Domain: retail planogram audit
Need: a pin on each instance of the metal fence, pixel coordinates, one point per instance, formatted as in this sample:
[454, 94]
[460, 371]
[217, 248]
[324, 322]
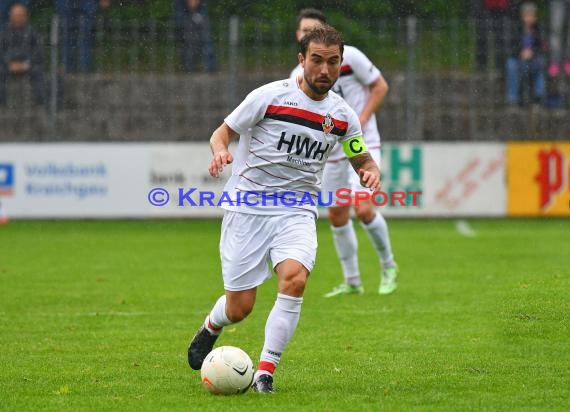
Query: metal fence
[137, 88]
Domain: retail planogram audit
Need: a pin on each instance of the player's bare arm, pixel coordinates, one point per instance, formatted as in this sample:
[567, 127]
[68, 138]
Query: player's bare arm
[362, 162]
[367, 169]
[219, 143]
[378, 91]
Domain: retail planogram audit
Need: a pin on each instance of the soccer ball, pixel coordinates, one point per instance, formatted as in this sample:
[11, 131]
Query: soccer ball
[227, 370]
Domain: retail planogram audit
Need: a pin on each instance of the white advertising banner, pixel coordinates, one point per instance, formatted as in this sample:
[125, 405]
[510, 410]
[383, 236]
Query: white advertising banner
[115, 180]
[74, 180]
[179, 183]
[455, 179]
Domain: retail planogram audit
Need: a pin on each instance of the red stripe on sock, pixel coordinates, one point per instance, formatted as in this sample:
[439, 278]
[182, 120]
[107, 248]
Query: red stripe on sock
[266, 366]
[210, 326]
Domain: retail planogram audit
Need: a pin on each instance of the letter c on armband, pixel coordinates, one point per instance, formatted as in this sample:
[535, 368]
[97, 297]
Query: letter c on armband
[354, 147]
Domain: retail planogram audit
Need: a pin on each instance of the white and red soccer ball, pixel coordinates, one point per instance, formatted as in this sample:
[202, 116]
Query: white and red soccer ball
[227, 370]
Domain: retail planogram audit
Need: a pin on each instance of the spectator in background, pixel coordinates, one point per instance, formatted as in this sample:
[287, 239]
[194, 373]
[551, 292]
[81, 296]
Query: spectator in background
[21, 54]
[5, 6]
[492, 18]
[77, 20]
[193, 24]
[559, 52]
[527, 60]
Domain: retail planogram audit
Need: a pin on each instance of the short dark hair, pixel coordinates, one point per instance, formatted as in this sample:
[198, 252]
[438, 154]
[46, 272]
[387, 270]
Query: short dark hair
[311, 14]
[325, 34]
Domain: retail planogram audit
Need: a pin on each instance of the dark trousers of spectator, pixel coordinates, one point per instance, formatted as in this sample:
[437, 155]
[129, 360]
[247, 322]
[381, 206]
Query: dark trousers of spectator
[198, 45]
[36, 79]
[560, 20]
[77, 38]
[519, 72]
[496, 25]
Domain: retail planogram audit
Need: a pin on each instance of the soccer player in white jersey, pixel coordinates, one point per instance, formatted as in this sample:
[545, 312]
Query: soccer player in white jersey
[363, 87]
[287, 130]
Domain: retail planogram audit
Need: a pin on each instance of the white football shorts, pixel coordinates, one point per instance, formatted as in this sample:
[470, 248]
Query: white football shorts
[250, 243]
[340, 175]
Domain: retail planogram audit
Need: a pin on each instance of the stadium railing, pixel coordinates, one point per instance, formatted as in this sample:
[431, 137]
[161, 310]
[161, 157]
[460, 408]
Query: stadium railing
[137, 89]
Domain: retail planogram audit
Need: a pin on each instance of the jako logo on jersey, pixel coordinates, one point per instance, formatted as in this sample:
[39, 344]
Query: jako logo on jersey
[303, 145]
[290, 103]
[328, 124]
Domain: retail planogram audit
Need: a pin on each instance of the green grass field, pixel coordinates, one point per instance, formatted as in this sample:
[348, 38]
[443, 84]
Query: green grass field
[97, 316]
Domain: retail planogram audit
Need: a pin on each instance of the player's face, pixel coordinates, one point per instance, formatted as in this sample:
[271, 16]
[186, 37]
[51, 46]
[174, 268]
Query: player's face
[305, 26]
[321, 67]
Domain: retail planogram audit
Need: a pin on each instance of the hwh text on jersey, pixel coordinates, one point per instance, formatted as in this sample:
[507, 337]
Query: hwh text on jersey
[303, 145]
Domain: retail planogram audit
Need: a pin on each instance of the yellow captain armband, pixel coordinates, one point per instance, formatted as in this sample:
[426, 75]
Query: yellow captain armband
[354, 147]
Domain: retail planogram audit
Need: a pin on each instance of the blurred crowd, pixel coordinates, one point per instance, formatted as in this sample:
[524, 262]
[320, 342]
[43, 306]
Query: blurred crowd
[21, 46]
[510, 39]
[525, 53]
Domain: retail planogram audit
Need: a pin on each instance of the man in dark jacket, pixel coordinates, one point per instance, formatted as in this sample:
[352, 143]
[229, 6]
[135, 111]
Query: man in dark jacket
[492, 21]
[21, 54]
[77, 20]
[527, 58]
[193, 24]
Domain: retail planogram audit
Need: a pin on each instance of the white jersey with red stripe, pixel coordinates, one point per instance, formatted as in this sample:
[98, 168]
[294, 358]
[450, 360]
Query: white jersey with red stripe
[357, 73]
[285, 140]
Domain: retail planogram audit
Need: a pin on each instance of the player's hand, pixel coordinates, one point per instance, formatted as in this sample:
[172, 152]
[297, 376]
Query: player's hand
[219, 161]
[370, 180]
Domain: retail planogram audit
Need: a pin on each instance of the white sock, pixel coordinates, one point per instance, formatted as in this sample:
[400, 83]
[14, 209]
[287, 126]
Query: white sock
[346, 246]
[280, 326]
[217, 318]
[378, 232]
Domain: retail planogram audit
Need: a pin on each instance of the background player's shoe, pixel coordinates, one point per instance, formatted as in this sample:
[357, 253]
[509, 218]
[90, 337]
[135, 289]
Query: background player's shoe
[201, 345]
[388, 279]
[345, 289]
[263, 384]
